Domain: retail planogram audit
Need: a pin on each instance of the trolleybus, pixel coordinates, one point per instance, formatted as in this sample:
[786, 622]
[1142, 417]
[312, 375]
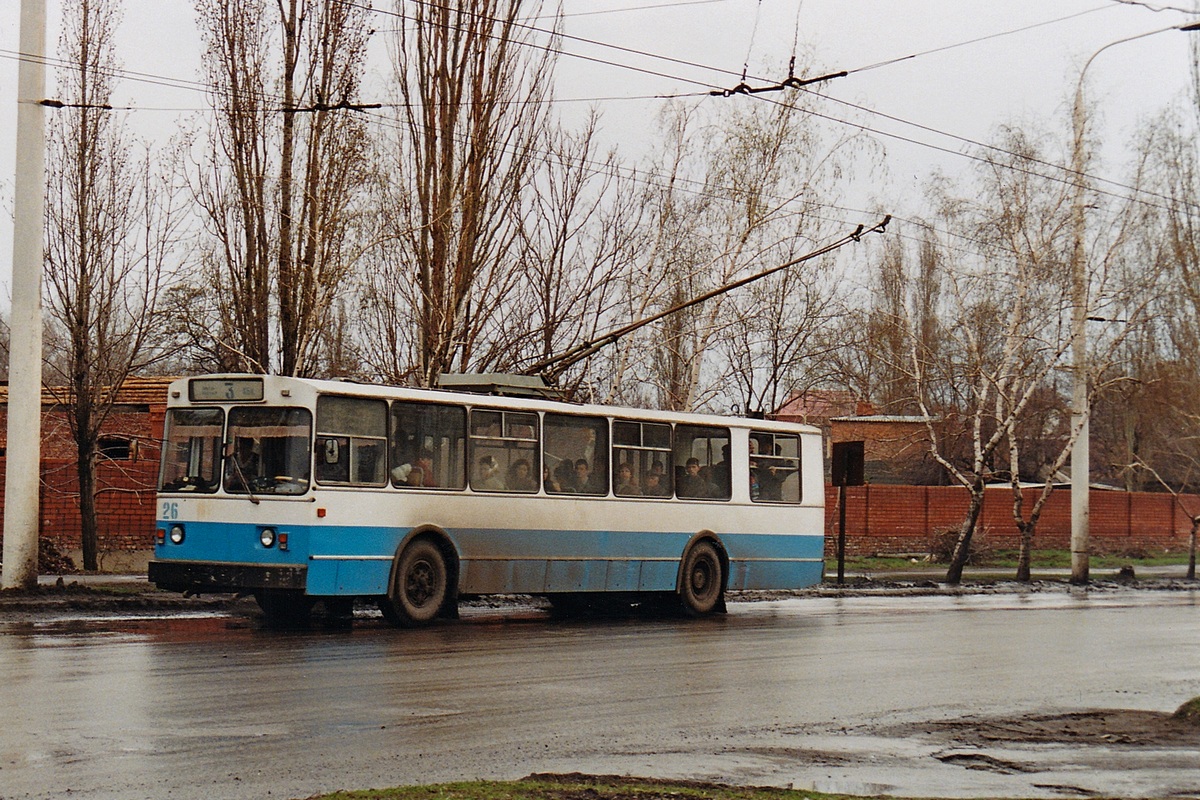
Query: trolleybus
[299, 491]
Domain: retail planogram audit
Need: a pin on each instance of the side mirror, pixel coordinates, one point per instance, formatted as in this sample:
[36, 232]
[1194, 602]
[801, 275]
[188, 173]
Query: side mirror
[333, 451]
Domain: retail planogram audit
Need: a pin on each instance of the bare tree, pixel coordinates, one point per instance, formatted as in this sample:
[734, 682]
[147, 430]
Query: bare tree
[577, 250]
[1006, 334]
[732, 197]
[1156, 403]
[109, 231]
[473, 124]
[285, 169]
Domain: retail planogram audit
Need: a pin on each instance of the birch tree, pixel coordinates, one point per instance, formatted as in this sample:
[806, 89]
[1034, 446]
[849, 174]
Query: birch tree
[1007, 332]
[741, 190]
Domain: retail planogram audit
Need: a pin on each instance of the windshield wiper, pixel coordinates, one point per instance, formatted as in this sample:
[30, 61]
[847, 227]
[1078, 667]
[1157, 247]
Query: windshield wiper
[237, 466]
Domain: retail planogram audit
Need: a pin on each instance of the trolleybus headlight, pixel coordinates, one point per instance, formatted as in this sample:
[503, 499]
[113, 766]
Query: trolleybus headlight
[176, 534]
[267, 537]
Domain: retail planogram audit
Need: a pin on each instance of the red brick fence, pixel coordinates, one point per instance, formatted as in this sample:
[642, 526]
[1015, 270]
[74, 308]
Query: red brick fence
[906, 519]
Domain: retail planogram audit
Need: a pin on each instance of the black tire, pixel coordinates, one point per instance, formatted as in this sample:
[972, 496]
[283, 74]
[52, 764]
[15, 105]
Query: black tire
[701, 579]
[284, 607]
[419, 586]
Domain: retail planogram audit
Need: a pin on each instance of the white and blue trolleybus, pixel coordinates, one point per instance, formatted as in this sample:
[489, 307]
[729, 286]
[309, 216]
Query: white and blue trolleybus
[298, 491]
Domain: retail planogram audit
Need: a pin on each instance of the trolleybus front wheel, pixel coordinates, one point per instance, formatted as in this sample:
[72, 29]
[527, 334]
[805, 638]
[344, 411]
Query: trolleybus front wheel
[419, 586]
[700, 579]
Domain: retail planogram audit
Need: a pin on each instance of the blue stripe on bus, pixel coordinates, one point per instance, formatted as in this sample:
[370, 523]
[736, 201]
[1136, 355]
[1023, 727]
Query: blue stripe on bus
[356, 560]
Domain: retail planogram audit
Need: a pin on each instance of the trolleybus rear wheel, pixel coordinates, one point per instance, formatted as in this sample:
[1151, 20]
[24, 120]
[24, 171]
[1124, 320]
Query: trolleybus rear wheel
[419, 585]
[700, 580]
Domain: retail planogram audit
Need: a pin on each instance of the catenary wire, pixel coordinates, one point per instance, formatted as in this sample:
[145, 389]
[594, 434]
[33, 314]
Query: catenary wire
[193, 85]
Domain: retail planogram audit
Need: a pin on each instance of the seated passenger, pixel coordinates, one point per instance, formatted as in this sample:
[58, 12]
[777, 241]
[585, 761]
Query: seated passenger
[564, 477]
[422, 465]
[624, 484]
[585, 482]
[549, 481]
[520, 477]
[425, 464]
[652, 486]
[693, 484]
[720, 470]
[489, 479]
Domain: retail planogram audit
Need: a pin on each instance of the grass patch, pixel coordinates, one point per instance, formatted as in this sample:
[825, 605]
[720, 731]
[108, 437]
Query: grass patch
[1007, 559]
[1189, 711]
[578, 787]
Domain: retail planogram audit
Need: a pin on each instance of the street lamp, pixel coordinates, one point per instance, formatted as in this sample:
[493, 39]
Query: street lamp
[1080, 455]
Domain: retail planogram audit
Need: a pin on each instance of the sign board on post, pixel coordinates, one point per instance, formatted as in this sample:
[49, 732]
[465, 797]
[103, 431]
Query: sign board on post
[847, 464]
[846, 469]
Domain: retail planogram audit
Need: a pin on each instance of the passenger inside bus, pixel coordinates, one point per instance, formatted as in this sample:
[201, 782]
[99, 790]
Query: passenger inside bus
[652, 485]
[549, 481]
[422, 465]
[520, 477]
[624, 481]
[489, 479]
[241, 463]
[416, 477]
[585, 482]
[694, 485]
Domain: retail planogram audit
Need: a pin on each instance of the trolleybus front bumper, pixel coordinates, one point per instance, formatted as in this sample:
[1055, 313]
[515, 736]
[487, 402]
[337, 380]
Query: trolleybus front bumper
[199, 576]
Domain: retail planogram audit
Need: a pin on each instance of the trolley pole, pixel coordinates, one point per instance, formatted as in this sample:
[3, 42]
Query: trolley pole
[24, 451]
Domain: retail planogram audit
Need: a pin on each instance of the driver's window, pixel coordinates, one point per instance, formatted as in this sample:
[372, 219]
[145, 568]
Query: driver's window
[351, 441]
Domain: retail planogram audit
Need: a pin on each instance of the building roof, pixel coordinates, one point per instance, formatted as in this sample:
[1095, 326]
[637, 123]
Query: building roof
[135, 391]
[822, 404]
[884, 418]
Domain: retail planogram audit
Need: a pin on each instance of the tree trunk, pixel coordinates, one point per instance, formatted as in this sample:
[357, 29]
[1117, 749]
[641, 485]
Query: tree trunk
[1025, 556]
[962, 548]
[85, 466]
[1191, 570]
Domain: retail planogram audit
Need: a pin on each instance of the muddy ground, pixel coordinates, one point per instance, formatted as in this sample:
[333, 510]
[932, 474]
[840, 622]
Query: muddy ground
[1033, 745]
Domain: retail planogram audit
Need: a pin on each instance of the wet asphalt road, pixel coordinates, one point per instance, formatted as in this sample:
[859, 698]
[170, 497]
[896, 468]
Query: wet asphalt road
[784, 692]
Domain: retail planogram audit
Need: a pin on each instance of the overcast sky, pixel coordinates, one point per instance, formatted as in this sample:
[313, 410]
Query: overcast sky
[979, 76]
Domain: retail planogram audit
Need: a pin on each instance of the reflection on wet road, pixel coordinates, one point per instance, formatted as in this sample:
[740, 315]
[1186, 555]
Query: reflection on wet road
[773, 693]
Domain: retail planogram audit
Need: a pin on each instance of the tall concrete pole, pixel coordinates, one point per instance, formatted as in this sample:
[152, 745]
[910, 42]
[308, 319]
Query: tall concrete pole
[24, 449]
[1080, 452]
[1080, 400]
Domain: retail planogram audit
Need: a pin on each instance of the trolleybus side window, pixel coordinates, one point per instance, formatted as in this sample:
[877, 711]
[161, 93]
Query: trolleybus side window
[774, 467]
[575, 456]
[504, 446]
[702, 467]
[429, 445]
[192, 449]
[351, 441]
[641, 453]
[267, 450]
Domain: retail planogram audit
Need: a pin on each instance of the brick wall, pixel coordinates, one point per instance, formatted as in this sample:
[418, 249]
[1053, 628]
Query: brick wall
[126, 497]
[905, 519]
[125, 503]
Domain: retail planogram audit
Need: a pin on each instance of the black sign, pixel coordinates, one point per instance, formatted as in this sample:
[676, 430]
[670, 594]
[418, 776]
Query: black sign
[847, 467]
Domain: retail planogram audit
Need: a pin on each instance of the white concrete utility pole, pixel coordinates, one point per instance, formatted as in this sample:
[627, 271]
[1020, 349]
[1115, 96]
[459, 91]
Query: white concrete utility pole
[1080, 393]
[24, 450]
